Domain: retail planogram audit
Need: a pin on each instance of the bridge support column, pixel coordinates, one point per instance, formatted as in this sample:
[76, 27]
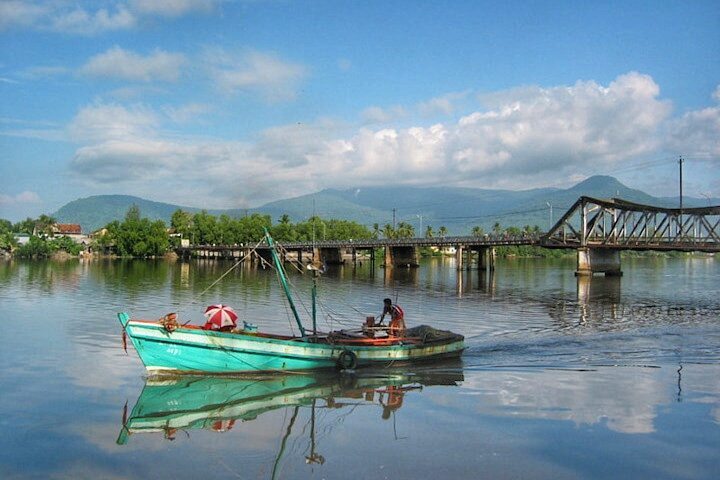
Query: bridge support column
[331, 256]
[598, 260]
[402, 257]
[459, 257]
[486, 259]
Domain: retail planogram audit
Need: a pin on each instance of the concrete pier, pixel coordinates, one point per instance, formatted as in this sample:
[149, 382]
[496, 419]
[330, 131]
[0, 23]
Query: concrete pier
[402, 257]
[598, 260]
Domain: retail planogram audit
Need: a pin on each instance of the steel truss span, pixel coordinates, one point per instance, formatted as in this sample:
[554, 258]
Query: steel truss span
[620, 224]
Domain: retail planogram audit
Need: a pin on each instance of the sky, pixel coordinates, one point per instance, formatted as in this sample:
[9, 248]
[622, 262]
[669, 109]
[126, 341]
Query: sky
[231, 104]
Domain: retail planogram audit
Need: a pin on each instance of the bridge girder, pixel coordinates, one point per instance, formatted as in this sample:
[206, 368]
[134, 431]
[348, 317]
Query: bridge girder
[619, 224]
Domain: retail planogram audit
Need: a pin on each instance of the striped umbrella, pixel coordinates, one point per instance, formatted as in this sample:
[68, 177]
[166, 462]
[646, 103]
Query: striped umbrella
[221, 316]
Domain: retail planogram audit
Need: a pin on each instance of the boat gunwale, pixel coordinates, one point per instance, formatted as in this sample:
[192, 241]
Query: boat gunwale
[367, 344]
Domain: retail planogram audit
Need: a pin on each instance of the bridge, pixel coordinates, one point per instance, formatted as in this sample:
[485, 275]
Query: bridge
[598, 229]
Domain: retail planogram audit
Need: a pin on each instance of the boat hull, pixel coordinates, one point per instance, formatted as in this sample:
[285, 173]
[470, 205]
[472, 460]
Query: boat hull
[193, 350]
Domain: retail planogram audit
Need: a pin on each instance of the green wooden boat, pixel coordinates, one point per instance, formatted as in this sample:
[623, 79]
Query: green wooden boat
[167, 348]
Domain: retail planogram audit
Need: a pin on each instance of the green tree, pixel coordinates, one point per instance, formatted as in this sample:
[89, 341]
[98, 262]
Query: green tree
[429, 233]
[205, 229]
[66, 244]
[35, 247]
[24, 226]
[284, 231]
[478, 231]
[44, 225]
[405, 230]
[182, 221]
[442, 231]
[137, 236]
[388, 231]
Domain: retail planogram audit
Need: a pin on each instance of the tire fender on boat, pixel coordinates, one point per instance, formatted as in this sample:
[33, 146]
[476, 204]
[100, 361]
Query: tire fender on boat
[347, 360]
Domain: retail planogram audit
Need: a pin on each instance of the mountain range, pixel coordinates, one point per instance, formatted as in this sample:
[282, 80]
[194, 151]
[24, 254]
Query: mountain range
[457, 209]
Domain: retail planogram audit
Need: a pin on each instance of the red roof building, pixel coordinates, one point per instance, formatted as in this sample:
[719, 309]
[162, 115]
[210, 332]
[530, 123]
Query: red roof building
[67, 229]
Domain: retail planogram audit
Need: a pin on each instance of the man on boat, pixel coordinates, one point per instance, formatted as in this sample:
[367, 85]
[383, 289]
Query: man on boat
[397, 318]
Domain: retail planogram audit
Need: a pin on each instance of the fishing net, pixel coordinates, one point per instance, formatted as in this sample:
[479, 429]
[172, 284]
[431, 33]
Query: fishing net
[429, 334]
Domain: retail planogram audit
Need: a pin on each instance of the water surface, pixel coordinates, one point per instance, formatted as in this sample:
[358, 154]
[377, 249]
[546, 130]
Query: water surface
[562, 378]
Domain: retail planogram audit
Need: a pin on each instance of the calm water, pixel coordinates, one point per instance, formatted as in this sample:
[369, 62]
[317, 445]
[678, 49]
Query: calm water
[607, 378]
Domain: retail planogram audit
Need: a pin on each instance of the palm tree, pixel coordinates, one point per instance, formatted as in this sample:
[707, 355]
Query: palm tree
[405, 230]
[429, 232]
[44, 225]
[442, 231]
[477, 231]
[388, 231]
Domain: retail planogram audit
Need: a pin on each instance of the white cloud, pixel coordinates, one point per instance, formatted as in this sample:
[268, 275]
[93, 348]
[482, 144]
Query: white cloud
[444, 105]
[698, 132]
[187, 113]
[127, 65]
[87, 18]
[18, 13]
[525, 137]
[383, 115]
[101, 122]
[255, 72]
[23, 198]
[173, 8]
[83, 22]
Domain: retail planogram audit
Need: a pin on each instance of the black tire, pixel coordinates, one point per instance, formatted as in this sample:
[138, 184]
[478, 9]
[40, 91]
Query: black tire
[347, 360]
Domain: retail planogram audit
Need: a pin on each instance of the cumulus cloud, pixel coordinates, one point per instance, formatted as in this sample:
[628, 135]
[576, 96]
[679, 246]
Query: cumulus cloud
[522, 138]
[22, 198]
[383, 115]
[123, 64]
[443, 105]
[255, 72]
[19, 13]
[698, 132]
[85, 22]
[87, 18]
[101, 122]
[173, 8]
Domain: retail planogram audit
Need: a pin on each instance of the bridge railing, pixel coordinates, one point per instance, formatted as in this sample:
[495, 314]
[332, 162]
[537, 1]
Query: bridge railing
[621, 224]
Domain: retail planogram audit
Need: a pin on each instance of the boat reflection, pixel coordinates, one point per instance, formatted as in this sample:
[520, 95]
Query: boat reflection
[169, 405]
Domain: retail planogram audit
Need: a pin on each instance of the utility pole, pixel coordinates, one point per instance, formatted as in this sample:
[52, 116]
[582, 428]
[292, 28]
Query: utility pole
[680, 162]
[680, 219]
[551, 215]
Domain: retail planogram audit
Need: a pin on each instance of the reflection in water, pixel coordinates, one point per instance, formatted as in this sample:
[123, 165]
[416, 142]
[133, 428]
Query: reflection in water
[173, 406]
[627, 369]
[406, 276]
[604, 290]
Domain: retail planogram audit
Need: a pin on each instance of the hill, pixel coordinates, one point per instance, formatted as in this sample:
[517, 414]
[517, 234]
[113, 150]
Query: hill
[458, 209]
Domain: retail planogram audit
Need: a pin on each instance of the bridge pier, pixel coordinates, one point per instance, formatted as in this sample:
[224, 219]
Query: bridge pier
[598, 260]
[402, 257]
[486, 258]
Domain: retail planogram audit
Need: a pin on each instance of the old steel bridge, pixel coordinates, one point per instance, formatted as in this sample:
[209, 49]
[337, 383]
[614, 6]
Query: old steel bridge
[598, 229]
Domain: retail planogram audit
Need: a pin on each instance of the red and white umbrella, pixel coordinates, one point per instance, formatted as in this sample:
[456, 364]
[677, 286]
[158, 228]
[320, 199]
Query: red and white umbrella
[221, 316]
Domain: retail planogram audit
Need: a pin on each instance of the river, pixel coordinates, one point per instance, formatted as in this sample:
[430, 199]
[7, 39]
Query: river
[563, 378]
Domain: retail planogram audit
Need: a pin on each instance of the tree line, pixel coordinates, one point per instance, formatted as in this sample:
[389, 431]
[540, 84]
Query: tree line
[138, 236]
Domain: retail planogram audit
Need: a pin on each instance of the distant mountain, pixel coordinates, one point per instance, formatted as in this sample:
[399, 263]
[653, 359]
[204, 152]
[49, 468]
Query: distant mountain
[458, 209]
[97, 211]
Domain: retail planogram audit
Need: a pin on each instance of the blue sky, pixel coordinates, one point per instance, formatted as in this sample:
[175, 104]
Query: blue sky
[222, 104]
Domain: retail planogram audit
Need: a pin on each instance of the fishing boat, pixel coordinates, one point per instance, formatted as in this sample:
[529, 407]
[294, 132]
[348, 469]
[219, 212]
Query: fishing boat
[166, 347]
